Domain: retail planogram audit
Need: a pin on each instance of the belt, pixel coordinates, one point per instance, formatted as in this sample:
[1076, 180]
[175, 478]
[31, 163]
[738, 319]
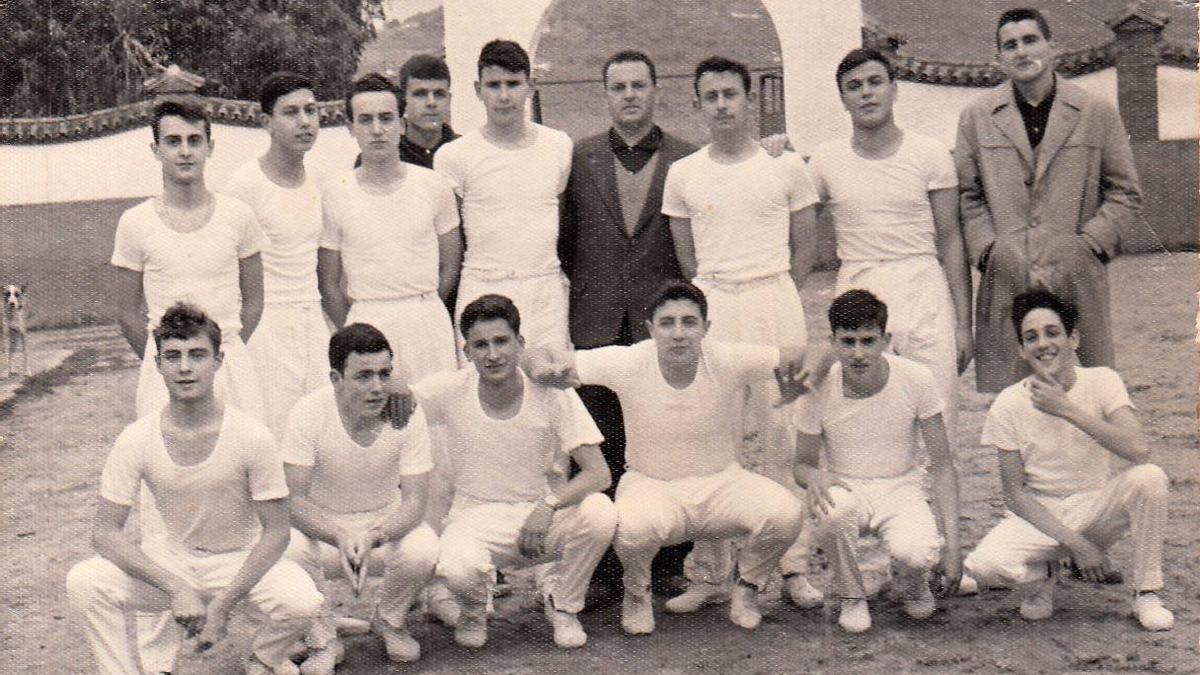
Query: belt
[727, 283]
[507, 275]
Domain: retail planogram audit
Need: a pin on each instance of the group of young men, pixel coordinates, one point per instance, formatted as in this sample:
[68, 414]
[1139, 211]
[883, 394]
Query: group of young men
[435, 438]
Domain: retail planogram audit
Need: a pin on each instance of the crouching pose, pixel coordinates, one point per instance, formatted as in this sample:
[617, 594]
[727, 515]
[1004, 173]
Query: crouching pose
[218, 482]
[509, 444]
[344, 462]
[1059, 433]
[682, 397]
[868, 414]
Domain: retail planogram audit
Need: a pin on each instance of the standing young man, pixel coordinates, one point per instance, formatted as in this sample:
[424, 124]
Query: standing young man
[1047, 183]
[392, 229]
[510, 443]
[868, 415]
[189, 244]
[508, 175]
[219, 484]
[344, 462]
[288, 347]
[425, 87]
[1059, 434]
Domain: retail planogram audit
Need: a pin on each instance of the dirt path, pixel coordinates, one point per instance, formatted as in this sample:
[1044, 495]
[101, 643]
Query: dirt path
[55, 437]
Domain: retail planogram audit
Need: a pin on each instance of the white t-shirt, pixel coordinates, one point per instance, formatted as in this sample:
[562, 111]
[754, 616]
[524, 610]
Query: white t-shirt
[740, 213]
[388, 243]
[509, 199]
[512, 460]
[291, 220]
[207, 507]
[200, 267]
[877, 436]
[347, 477]
[1060, 459]
[676, 433]
[881, 208]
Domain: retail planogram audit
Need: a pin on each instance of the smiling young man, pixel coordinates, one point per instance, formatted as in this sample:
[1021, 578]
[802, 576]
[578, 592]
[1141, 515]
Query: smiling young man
[1047, 184]
[868, 416]
[509, 175]
[219, 485]
[344, 462]
[1075, 469]
[510, 443]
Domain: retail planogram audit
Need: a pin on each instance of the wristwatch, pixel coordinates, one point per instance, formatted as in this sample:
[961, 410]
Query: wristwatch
[552, 501]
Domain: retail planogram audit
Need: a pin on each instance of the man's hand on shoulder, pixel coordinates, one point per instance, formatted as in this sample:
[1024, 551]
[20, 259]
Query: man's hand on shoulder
[400, 406]
[549, 369]
[776, 144]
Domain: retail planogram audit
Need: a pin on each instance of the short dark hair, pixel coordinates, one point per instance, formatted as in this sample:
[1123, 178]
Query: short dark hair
[183, 321]
[504, 54]
[355, 338]
[1040, 298]
[489, 307]
[856, 309]
[720, 64]
[1018, 14]
[278, 84]
[678, 290]
[372, 82]
[629, 56]
[189, 111]
[856, 57]
[423, 67]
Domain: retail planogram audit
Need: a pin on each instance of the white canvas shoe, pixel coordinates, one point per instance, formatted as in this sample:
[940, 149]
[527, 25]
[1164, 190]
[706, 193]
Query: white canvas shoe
[801, 592]
[1149, 610]
[855, 616]
[696, 596]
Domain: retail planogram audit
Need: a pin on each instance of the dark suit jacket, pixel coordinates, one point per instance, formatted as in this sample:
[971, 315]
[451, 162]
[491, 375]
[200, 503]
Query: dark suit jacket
[612, 274]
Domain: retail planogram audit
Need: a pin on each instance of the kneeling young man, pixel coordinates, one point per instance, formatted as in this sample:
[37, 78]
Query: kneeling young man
[219, 485]
[1059, 433]
[682, 397]
[359, 488]
[509, 443]
[868, 415]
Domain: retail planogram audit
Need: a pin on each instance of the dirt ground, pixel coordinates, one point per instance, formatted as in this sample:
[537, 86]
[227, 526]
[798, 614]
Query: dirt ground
[56, 433]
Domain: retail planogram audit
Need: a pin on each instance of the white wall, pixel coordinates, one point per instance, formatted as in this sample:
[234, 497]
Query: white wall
[1178, 103]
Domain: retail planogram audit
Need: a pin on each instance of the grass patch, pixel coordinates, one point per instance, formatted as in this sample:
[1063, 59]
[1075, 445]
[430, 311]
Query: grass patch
[43, 383]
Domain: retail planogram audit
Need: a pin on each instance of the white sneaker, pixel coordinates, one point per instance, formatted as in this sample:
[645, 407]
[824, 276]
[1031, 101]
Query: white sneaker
[968, 585]
[637, 614]
[801, 592]
[696, 596]
[444, 608]
[1037, 599]
[855, 616]
[1149, 610]
[322, 661]
[471, 629]
[568, 632]
[918, 600]
[401, 647]
[743, 606]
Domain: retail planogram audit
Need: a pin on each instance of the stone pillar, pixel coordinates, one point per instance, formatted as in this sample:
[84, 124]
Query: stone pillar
[1138, 32]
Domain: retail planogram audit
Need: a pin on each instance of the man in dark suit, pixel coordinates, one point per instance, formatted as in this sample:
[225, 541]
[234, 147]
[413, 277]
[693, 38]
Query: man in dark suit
[615, 244]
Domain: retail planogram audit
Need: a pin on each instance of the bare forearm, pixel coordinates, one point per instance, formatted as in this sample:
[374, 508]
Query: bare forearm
[1032, 511]
[398, 521]
[335, 304]
[1128, 444]
[263, 556]
[447, 281]
[120, 551]
[133, 328]
[251, 314]
[314, 521]
[945, 492]
[958, 278]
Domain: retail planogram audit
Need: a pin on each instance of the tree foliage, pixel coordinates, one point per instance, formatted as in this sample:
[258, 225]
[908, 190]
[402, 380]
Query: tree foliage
[63, 57]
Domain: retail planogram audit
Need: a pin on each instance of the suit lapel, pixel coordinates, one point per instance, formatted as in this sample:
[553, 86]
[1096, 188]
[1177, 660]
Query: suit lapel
[602, 167]
[1064, 114]
[668, 152]
[1007, 117]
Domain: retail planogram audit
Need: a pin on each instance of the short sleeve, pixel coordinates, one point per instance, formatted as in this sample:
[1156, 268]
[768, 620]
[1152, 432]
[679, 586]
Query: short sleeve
[939, 165]
[576, 427]
[445, 216]
[129, 248]
[416, 457]
[801, 192]
[926, 399]
[250, 235]
[446, 162]
[1111, 390]
[433, 393]
[264, 468]
[1000, 428]
[331, 228]
[673, 203]
[299, 446]
[746, 362]
[606, 366]
[121, 478]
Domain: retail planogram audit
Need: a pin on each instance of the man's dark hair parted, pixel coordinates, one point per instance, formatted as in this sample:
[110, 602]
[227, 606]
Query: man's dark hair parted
[489, 307]
[720, 64]
[504, 54]
[1018, 14]
[856, 57]
[279, 84]
[372, 82]
[192, 112]
[856, 309]
[1040, 298]
[355, 338]
[183, 321]
[629, 56]
[676, 289]
[423, 67]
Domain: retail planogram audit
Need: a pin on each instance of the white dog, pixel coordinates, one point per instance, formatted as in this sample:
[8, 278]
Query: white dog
[12, 325]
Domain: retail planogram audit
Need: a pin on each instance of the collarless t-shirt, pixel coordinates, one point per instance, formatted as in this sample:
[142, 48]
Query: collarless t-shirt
[676, 433]
[348, 477]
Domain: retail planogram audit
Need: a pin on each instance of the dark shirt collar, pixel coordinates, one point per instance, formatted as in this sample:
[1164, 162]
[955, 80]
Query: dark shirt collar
[635, 157]
[1035, 116]
[414, 153]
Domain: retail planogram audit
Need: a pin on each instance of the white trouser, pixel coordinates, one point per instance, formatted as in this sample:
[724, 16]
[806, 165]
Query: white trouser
[103, 592]
[236, 383]
[417, 329]
[730, 503]
[1135, 500]
[482, 536]
[894, 508]
[921, 318]
[290, 351]
[541, 300]
[405, 565]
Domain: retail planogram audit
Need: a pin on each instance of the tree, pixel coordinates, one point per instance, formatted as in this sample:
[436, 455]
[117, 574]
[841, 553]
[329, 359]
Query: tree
[73, 56]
